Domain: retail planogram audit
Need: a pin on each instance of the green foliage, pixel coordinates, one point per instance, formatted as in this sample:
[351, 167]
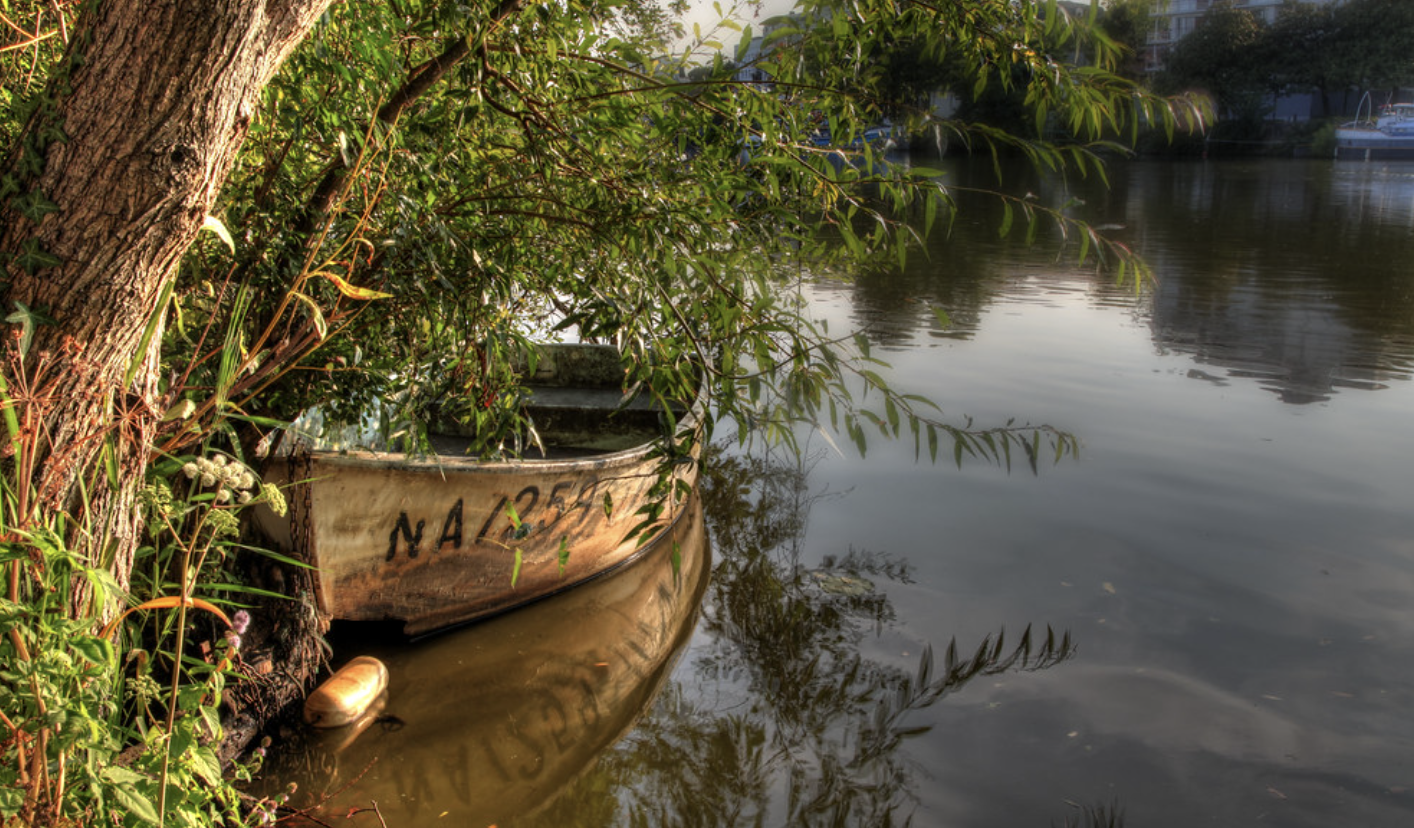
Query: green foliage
[33, 34]
[1328, 48]
[1305, 48]
[1323, 142]
[1227, 57]
[57, 683]
[91, 733]
[1373, 40]
[1127, 23]
[559, 179]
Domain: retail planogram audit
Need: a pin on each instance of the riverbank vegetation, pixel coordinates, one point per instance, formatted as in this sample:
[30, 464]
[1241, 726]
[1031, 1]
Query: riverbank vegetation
[217, 215]
[1334, 52]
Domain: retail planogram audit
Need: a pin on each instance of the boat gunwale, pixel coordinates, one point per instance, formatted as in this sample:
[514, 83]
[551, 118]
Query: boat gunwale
[687, 426]
[468, 465]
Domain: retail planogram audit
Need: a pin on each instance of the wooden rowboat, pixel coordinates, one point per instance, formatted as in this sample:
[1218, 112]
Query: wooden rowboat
[492, 724]
[441, 540]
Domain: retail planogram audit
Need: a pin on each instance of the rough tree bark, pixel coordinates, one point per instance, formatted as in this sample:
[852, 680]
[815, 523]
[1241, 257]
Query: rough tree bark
[125, 157]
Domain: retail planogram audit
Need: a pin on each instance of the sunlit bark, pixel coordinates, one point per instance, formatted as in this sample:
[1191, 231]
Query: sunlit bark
[117, 169]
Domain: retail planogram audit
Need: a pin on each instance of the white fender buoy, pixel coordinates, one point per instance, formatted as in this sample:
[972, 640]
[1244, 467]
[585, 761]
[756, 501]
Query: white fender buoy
[346, 694]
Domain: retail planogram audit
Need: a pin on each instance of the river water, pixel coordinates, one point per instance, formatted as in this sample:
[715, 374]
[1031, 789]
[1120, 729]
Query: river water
[1226, 570]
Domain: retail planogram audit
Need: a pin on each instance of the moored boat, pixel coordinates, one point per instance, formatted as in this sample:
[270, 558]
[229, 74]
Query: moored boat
[1388, 137]
[488, 725]
[444, 539]
[881, 138]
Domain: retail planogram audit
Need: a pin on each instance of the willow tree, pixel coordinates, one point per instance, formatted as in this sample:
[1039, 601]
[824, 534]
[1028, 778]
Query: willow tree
[423, 180]
[119, 159]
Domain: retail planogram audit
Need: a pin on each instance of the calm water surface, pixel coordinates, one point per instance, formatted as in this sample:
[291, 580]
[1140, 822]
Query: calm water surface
[1227, 569]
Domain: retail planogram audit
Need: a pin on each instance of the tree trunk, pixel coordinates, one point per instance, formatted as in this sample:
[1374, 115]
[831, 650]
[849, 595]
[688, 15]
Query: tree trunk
[113, 178]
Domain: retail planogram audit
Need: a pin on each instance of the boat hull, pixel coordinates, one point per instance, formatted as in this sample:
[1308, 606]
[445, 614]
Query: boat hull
[1373, 145]
[485, 726]
[439, 541]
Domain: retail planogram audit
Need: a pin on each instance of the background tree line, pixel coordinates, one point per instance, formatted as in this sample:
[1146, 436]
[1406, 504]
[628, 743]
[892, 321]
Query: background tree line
[1336, 51]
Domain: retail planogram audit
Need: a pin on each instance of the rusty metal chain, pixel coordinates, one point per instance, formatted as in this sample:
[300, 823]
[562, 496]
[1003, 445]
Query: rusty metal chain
[299, 467]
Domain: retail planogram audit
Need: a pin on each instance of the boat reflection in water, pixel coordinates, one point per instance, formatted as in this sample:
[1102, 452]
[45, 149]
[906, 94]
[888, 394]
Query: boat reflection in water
[487, 724]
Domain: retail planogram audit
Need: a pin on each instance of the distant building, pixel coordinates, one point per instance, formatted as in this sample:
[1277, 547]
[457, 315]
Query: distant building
[1171, 20]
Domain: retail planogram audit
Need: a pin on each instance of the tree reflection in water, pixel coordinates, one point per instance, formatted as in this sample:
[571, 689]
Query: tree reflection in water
[784, 721]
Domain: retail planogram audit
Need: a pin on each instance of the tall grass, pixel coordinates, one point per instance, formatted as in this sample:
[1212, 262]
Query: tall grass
[116, 720]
